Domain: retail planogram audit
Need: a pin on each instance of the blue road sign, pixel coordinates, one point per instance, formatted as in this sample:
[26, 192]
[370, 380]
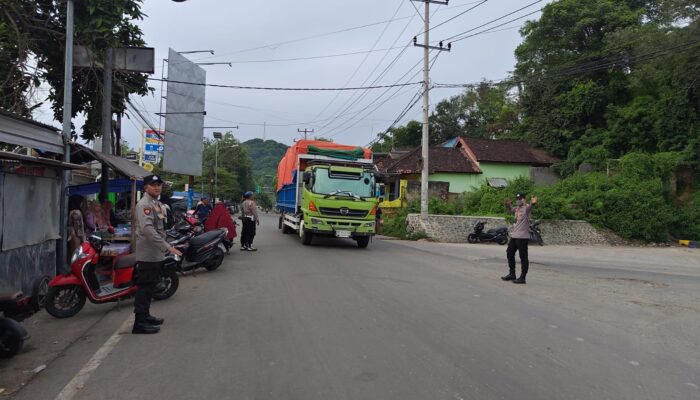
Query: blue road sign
[149, 157]
[154, 147]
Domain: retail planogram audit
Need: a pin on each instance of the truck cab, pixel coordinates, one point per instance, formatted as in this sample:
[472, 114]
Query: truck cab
[331, 197]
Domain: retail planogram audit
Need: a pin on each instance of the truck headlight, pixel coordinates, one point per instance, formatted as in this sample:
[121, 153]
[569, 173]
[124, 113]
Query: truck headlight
[369, 224]
[316, 221]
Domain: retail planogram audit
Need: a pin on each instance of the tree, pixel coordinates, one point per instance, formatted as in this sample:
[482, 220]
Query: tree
[602, 78]
[34, 32]
[401, 136]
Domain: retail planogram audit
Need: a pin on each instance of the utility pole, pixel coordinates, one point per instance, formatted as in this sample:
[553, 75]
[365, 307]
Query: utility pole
[67, 114]
[106, 120]
[305, 131]
[425, 140]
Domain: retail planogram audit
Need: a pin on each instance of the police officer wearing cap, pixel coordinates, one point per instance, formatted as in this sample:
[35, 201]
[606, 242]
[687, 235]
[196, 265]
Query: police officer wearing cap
[151, 248]
[519, 237]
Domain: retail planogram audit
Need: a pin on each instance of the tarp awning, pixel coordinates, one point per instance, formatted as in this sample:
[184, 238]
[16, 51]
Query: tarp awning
[121, 165]
[115, 186]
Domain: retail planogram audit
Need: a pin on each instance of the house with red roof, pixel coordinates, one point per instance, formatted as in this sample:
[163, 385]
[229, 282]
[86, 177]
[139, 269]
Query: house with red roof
[463, 164]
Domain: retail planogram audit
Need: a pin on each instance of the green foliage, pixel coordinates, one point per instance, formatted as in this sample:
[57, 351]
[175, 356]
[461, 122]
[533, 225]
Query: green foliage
[34, 31]
[396, 225]
[633, 202]
[265, 155]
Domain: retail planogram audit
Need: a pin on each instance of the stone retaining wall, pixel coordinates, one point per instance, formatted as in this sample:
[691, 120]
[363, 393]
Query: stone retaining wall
[455, 228]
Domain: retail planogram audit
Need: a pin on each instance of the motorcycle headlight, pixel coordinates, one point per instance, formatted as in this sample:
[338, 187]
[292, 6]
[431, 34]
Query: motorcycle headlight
[77, 255]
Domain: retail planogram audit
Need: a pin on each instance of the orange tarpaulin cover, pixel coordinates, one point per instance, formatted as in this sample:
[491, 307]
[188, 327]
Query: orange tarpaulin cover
[289, 162]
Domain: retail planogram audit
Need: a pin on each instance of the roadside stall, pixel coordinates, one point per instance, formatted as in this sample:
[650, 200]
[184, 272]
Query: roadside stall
[129, 182]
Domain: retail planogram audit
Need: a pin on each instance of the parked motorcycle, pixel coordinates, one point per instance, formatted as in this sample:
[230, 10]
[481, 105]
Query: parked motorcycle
[498, 235]
[15, 307]
[535, 233]
[199, 250]
[67, 292]
[190, 226]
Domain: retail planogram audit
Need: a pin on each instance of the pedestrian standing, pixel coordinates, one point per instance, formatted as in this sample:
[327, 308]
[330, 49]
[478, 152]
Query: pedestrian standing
[203, 210]
[151, 248]
[249, 217]
[378, 221]
[519, 237]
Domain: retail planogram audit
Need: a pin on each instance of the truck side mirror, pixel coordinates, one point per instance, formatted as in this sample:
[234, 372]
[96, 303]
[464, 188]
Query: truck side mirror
[306, 178]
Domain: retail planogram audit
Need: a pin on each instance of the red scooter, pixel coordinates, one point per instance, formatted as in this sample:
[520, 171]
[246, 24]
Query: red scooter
[68, 292]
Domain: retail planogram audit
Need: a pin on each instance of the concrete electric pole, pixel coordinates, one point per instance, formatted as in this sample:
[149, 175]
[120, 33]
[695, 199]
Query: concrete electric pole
[425, 140]
[305, 131]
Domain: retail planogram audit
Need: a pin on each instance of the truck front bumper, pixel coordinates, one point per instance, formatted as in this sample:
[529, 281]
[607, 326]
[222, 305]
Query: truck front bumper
[329, 226]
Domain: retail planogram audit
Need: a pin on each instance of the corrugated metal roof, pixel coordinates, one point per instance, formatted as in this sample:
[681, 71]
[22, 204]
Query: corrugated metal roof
[119, 164]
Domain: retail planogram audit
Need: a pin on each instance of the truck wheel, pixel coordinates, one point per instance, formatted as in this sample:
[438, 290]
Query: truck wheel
[362, 242]
[280, 224]
[306, 236]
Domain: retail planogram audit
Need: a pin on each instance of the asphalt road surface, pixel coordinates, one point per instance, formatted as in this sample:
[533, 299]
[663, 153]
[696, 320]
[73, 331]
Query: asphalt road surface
[401, 320]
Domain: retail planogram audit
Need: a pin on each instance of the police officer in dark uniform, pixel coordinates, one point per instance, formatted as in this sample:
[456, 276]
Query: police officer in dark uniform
[151, 248]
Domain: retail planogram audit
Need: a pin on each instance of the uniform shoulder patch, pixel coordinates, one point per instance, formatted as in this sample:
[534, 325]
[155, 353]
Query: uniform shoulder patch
[147, 211]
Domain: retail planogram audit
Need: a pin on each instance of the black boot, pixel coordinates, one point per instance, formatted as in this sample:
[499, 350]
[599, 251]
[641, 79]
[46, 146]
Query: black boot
[144, 327]
[520, 280]
[141, 325]
[509, 277]
[154, 321]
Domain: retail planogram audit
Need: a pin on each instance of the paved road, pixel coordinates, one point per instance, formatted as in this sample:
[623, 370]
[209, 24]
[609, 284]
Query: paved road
[400, 321]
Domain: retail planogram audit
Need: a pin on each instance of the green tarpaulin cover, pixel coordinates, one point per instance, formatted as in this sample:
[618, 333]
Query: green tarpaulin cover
[354, 154]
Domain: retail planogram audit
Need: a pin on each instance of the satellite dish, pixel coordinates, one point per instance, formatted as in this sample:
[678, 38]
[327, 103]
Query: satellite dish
[148, 167]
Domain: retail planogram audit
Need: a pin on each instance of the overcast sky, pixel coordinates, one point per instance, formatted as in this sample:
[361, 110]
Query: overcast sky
[242, 32]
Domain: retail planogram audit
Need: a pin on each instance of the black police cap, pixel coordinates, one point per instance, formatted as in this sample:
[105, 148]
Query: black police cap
[152, 179]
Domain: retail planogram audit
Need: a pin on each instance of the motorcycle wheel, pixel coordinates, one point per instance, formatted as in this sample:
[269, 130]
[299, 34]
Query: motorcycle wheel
[40, 290]
[472, 238]
[65, 301]
[169, 282]
[11, 337]
[216, 260]
[502, 240]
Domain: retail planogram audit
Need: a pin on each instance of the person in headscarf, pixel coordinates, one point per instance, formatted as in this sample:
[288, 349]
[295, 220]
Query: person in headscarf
[95, 219]
[76, 224]
[220, 218]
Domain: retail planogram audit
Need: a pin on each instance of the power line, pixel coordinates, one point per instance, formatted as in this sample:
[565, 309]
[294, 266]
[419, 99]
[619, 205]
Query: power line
[455, 17]
[281, 88]
[495, 20]
[621, 60]
[492, 29]
[381, 35]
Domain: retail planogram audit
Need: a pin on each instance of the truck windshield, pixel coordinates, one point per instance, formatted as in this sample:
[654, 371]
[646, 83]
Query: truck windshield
[350, 185]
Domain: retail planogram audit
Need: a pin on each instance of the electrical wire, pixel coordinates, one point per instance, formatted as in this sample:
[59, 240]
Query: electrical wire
[281, 88]
[495, 20]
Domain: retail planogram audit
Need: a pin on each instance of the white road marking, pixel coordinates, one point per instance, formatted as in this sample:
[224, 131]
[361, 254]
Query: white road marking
[78, 382]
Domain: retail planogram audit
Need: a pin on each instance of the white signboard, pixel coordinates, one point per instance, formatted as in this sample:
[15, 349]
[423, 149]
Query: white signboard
[184, 116]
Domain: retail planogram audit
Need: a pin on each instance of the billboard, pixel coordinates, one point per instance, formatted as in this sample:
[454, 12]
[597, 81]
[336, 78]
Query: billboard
[184, 116]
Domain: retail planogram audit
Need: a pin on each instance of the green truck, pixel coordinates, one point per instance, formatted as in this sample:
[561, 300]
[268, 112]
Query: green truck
[327, 189]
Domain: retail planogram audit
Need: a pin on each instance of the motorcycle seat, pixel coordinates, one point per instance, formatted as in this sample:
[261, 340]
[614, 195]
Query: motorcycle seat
[126, 261]
[11, 297]
[205, 238]
[497, 230]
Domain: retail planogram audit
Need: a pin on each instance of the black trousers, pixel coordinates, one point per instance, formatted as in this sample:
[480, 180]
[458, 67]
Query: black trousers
[248, 233]
[147, 277]
[519, 245]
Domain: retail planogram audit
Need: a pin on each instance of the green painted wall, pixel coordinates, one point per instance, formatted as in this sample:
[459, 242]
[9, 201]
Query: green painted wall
[468, 182]
[458, 182]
